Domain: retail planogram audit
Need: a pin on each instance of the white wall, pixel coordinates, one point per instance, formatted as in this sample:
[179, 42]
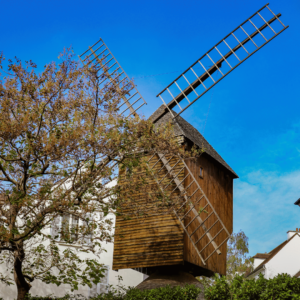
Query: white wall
[257, 262]
[287, 260]
[130, 277]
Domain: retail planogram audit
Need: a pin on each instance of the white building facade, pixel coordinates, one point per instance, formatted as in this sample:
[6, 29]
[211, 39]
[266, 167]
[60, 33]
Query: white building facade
[129, 277]
[285, 258]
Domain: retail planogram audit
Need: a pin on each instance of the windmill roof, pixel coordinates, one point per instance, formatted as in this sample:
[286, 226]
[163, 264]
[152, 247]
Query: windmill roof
[297, 202]
[182, 127]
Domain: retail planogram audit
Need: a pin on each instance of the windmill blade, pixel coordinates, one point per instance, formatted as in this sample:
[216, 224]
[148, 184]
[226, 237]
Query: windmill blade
[221, 59]
[100, 56]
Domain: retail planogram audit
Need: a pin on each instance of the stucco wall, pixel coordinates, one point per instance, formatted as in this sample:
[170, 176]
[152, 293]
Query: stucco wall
[130, 277]
[286, 260]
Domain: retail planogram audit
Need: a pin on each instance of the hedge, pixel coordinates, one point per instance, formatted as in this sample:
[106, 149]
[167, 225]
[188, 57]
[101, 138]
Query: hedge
[189, 292]
[283, 287]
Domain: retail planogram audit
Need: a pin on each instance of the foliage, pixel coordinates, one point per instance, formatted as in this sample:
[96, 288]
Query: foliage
[189, 292]
[237, 259]
[61, 144]
[282, 286]
[238, 262]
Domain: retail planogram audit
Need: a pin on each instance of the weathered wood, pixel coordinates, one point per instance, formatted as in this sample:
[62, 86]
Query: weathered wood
[217, 185]
[157, 239]
[152, 240]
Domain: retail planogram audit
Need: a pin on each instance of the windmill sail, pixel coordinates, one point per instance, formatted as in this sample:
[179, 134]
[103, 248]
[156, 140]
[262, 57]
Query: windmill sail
[100, 57]
[220, 60]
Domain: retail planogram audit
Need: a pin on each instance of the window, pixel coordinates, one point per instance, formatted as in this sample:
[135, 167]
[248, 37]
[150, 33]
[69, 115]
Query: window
[65, 228]
[102, 286]
[201, 172]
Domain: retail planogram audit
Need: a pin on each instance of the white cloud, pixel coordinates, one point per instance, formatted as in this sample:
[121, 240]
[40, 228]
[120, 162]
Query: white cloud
[264, 208]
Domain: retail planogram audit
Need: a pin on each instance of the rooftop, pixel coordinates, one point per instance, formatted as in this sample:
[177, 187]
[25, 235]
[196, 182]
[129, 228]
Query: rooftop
[182, 127]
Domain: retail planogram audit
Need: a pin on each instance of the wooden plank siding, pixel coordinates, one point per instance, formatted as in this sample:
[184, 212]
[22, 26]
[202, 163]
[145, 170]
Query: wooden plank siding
[152, 240]
[217, 184]
[158, 239]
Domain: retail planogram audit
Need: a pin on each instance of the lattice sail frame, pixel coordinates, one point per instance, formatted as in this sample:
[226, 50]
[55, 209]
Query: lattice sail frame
[194, 203]
[239, 45]
[100, 56]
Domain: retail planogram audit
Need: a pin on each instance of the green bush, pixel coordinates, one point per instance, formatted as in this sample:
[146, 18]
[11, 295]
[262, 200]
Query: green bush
[283, 287]
[189, 292]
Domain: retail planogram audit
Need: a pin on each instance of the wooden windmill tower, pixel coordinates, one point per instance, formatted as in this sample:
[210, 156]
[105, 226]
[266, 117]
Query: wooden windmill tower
[187, 236]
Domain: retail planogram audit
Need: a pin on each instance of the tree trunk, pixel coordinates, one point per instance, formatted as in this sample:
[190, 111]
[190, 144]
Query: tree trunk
[22, 285]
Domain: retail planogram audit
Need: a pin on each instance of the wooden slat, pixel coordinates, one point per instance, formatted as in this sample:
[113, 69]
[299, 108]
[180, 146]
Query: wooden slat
[151, 240]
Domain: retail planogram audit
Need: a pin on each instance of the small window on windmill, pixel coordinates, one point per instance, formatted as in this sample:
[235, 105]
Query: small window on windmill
[201, 172]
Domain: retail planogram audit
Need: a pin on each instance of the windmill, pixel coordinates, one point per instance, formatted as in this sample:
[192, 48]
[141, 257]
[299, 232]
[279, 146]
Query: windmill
[195, 233]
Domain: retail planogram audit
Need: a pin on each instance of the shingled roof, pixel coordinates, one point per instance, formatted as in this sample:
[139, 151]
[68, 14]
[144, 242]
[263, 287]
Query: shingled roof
[182, 127]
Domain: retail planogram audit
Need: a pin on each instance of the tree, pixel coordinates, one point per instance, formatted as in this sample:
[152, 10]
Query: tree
[238, 261]
[62, 143]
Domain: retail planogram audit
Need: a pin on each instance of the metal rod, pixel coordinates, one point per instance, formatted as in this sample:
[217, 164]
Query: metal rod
[174, 177]
[266, 22]
[231, 50]
[206, 231]
[136, 109]
[173, 98]
[198, 78]
[131, 105]
[111, 75]
[201, 224]
[275, 15]
[129, 97]
[92, 52]
[194, 193]
[257, 29]
[180, 183]
[183, 92]
[159, 159]
[91, 47]
[151, 157]
[103, 66]
[211, 240]
[195, 215]
[96, 57]
[189, 185]
[168, 173]
[217, 248]
[248, 36]
[240, 43]
[189, 84]
[223, 57]
[214, 64]
[192, 206]
[124, 97]
[163, 167]
[206, 71]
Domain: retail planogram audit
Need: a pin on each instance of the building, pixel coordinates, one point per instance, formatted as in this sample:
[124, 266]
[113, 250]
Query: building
[159, 242]
[129, 277]
[282, 259]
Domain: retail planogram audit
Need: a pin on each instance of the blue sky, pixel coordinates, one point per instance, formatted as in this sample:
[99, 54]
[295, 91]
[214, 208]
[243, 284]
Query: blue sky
[253, 119]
